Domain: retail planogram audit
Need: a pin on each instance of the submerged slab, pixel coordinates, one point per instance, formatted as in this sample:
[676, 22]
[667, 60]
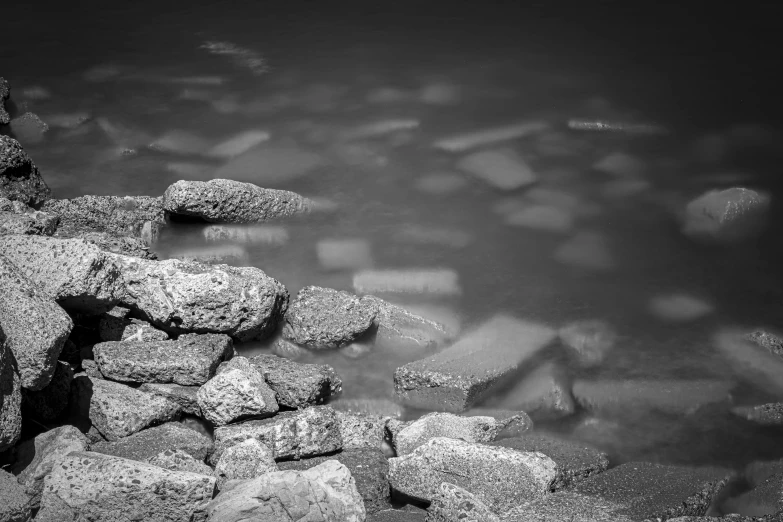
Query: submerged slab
[463, 142]
[502, 168]
[428, 281]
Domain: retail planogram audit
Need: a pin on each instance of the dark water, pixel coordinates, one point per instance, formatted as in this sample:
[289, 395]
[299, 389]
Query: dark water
[140, 72]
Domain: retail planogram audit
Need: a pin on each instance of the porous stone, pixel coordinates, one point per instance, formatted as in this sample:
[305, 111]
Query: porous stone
[454, 503]
[186, 397]
[178, 460]
[726, 216]
[102, 488]
[360, 431]
[237, 391]
[246, 460]
[298, 385]
[10, 397]
[14, 502]
[398, 515]
[19, 177]
[468, 429]
[322, 318]
[51, 401]
[398, 328]
[514, 422]
[117, 325]
[5, 93]
[151, 441]
[36, 328]
[228, 201]
[34, 223]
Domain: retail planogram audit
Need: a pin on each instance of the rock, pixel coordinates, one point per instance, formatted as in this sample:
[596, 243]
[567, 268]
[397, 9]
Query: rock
[575, 462]
[763, 414]
[763, 499]
[68, 120]
[757, 363]
[468, 429]
[544, 393]
[78, 275]
[191, 360]
[463, 142]
[326, 492]
[116, 325]
[178, 460]
[125, 245]
[726, 216]
[149, 442]
[503, 168]
[10, 397]
[679, 307]
[237, 391]
[28, 128]
[501, 478]
[289, 350]
[570, 506]
[99, 487]
[246, 460]
[370, 407]
[457, 377]
[454, 503]
[117, 410]
[50, 402]
[433, 236]
[35, 223]
[398, 328]
[5, 93]
[322, 318]
[35, 458]
[184, 297]
[218, 254]
[180, 142]
[436, 282]
[344, 254]
[14, 503]
[590, 340]
[361, 431]
[440, 183]
[772, 342]
[298, 385]
[36, 328]
[290, 435]
[19, 177]
[227, 201]
[247, 234]
[184, 396]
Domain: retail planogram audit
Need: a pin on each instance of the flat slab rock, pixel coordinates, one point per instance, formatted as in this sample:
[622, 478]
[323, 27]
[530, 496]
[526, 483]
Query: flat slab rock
[244, 461]
[117, 325]
[178, 460]
[297, 385]
[150, 442]
[19, 177]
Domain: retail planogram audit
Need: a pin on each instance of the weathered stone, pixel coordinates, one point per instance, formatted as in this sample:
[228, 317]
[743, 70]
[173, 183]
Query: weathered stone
[227, 201]
[454, 503]
[544, 393]
[117, 410]
[764, 414]
[468, 429]
[371, 407]
[726, 216]
[10, 397]
[28, 128]
[184, 297]
[501, 478]
[90, 368]
[5, 93]
[288, 350]
[361, 431]
[34, 223]
[214, 254]
[178, 460]
[324, 318]
[35, 458]
[297, 385]
[116, 325]
[457, 377]
[125, 245]
[35, 326]
[19, 177]
[78, 275]
[151, 441]
[290, 435]
[326, 492]
[91, 486]
[515, 423]
[271, 235]
[14, 502]
[398, 328]
[246, 460]
[237, 391]
[50, 402]
[191, 360]
[590, 340]
[186, 397]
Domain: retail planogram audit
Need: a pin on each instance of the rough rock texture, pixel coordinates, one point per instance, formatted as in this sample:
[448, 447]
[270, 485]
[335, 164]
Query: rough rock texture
[36, 457]
[325, 318]
[400, 329]
[19, 177]
[184, 297]
[726, 216]
[10, 397]
[326, 493]
[178, 460]
[186, 397]
[95, 487]
[117, 410]
[398, 515]
[371, 407]
[117, 325]
[454, 503]
[152, 441]
[544, 393]
[35, 326]
[575, 462]
[571, 507]
[78, 275]
[764, 414]
[191, 360]
[14, 502]
[125, 245]
[501, 478]
[227, 201]
[50, 402]
[246, 460]
[298, 385]
[5, 93]
[468, 429]
[360, 431]
[369, 469]
[33, 223]
[290, 435]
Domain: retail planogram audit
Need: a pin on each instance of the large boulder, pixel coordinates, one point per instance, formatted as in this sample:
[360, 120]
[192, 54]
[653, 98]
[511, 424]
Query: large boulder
[178, 460]
[726, 216]
[14, 503]
[102, 488]
[10, 397]
[183, 297]
[469, 429]
[147, 443]
[35, 326]
[246, 460]
[298, 385]
[19, 177]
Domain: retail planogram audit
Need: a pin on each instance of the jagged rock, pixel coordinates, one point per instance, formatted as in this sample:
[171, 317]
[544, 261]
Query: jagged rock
[326, 492]
[325, 318]
[50, 402]
[184, 297]
[36, 457]
[116, 325]
[468, 429]
[227, 201]
[298, 385]
[454, 503]
[361, 431]
[19, 177]
[246, 460]
[178, 460]
[35, 223]
[726, 216]
[5, 93]
[78, 275]
[772, 342]
[186, 397]
[102, 488]
[28, 128]
[151, 441]
[569, 506]
[10, 397]
[14, 502]
[237, 391]
[35, 326]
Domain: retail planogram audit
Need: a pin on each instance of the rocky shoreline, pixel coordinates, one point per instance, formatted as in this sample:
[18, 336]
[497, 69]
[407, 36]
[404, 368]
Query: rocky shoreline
[122, 397]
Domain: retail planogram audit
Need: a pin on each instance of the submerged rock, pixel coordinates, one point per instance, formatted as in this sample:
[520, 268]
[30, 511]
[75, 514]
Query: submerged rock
[298, 385]
[463, 142]
[468, 429]
[454, 503]
[759, 363]
[246, 460]
[502, 168]
[398, 328]
[545, 392]
[679, 307]
[178, 460]
[117, 325]
[436, 282]
[726, 216]
[590, 339]
[29, 128]
[149, 442]
[19, 177]
[344, 254]
[764, 414]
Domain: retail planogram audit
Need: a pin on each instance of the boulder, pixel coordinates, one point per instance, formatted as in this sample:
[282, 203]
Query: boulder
[35, 223]
[570, 506]
[468, 429]
[321, 318]
[361, 431]
[14, 502]
[19, 177]
[50, 402]
[91, 486]
[36, 328]
[186, 397]
[298, 385]
[246, 460]
[10, 397]
[238, 391]
[5, 93]
[726, 216]
[227, 201]
[117, 325]
[454, 503]
[326, 492]
[178, 460]
[171, 436]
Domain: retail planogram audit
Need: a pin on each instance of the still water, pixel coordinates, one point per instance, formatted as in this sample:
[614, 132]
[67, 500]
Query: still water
[347, 104]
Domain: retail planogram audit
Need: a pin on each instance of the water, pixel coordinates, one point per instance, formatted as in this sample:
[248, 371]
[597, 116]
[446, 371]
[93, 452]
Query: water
[606, 245]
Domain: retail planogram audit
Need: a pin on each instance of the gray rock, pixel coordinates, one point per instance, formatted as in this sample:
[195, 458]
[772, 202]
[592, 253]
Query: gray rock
[569, 506]
[326, 492]
[151, 441]
[397, 515]
[544, 393]
[501, 478]
[14, 503]
[178, 460]
[36, 457]
[34, 223]
[360, 431]
[50, 402]
[457, 377]
[290, 435]
[246, 460]
[575, 462]
[298, 385]
[515, 423]
[28, 128]
[117, 325]
[590, 340]
[236, 392]
[772, 342]
[186, 397]
[90, 368]
[184, 297]
[227, 201]
[764, 414]
[372, 407]
[19, 177]
[10, 397]
[400, 329]
[322, 318]
[78, 275]
[91, 486]
[117, 410]
[468, 429]
[125, 245]
[288, 350]
[35, 326]
[191, 360]
[726, 216]
[454, 503]
[5, 93]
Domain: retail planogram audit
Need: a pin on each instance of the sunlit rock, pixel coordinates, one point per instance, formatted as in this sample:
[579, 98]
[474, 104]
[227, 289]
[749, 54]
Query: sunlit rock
[298, 385]
[178, 460]
[247, 460]
[247, 234]
[588, 250]
[503, 169]
[620, 164]
[34, 223]
[15, 504]
[543, 393]
[184, 396]
[238, 144]
[427, 281]
[171, 436]
[590, 340]
[344, 254]
[541, 217]
[463, 142]
[726, 216]
[19, 177]
[679, 307]
[233, 254]
[440, 183]
[469, 429]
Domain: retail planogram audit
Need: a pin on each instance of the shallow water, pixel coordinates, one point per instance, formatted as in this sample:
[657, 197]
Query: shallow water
[353, 102]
